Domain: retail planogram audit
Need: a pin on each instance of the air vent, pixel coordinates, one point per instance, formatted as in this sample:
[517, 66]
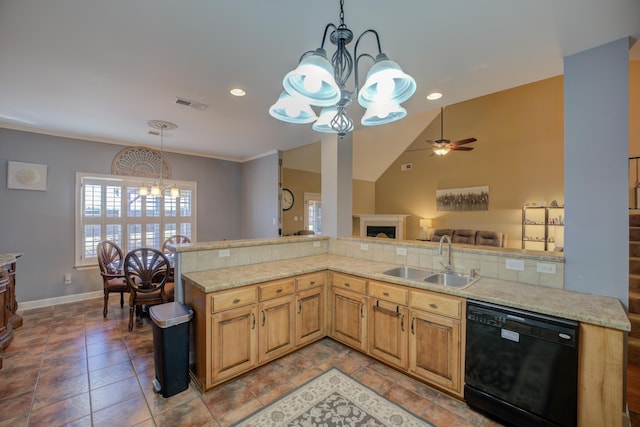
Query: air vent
[406, 167]
[192, 104]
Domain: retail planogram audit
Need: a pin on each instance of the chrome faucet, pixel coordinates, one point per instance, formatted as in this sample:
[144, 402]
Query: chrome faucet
[447, 267]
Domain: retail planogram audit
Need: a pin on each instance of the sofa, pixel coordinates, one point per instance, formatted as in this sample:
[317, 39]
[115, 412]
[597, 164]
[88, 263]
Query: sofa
[472, 237]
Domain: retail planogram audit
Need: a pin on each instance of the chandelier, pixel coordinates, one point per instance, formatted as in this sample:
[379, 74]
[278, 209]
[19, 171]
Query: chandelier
[157, 189]
[318, 82]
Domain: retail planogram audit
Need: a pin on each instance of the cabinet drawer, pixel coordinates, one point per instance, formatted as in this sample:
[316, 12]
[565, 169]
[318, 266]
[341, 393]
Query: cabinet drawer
[436, 303]
[232, 299]
[388, 292]
[346, 281]
[275, 289]
[309, 281]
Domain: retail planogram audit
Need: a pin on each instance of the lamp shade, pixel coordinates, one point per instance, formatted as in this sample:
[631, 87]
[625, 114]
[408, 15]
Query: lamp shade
[313, 80]
[291, 109]
[382, 113]
[426, 222]
[323, 124]
[386, 82]
[441, 150]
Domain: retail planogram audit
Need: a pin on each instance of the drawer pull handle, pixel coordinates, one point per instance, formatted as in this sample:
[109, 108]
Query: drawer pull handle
[253, 326]
[299, 307]
[361, 310]
[386, 310]
[347, 284]
[433, 305]
[278, 290]
[264, 318]
[386, 294]
[236, 300]
[313, 282]
[413, 330]
[402, 323]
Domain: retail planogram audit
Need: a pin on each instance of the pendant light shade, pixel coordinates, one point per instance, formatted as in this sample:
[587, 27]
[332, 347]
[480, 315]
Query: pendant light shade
[323, 82]
[382, 113]
[386, 82]
[292, 109]
[313, 80]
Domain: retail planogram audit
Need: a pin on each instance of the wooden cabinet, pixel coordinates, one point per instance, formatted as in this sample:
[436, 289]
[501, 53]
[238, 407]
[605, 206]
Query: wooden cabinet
[436, 339]
[348, 310]
[388, 323]
[277, 322]
[234, 342]
[310, 306]
[245, 327]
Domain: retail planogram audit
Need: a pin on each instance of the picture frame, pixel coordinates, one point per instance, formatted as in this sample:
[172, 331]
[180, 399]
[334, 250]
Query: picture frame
[463, 199]
[26, 176]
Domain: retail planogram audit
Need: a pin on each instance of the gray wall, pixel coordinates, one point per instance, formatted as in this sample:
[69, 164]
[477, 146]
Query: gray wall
[260, 208]
[596, 96]
[41, 224]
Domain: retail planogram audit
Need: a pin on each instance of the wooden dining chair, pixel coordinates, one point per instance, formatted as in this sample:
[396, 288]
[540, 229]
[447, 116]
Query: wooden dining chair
[110, 258]
[146, 271]
[174, 240]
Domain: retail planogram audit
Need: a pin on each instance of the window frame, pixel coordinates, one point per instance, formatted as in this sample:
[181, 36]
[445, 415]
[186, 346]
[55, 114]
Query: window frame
[83, 178]
[311, 197]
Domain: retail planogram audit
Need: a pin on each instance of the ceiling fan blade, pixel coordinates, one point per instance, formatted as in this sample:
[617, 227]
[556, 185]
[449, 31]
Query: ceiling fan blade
[462, 148]
[465, 141]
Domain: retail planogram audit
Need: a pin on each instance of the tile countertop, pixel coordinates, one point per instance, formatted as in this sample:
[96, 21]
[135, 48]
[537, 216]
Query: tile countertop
[583, 307]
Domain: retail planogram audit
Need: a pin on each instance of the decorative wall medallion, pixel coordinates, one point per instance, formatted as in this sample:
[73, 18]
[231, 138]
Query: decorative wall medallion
[27, 176]
[141, 161]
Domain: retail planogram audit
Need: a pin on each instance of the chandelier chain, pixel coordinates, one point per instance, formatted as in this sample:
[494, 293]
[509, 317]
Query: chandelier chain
[341, 13]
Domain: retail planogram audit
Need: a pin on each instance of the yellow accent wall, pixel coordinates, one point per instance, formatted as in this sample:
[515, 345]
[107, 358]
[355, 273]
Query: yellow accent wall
[518, 155]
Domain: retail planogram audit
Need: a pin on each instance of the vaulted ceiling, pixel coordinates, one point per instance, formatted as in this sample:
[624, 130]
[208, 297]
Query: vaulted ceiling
[99, 70]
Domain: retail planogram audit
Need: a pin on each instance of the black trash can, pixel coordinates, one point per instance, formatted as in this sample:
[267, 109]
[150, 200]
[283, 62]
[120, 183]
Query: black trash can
[171, 347]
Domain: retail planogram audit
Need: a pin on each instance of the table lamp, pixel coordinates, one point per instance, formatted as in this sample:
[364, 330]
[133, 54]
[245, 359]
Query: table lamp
[424, 224]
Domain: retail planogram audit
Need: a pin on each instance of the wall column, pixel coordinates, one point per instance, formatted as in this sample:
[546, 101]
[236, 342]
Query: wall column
[596, 151]
[337, 164]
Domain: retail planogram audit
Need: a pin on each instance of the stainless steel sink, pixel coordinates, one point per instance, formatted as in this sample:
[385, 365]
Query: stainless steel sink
[450, 279]
[410, 273]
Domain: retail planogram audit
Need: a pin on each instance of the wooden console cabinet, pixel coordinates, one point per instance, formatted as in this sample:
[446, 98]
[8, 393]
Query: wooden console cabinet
[9, 318]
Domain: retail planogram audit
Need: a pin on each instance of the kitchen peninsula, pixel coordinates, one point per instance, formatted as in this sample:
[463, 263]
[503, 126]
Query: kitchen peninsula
[311, 286]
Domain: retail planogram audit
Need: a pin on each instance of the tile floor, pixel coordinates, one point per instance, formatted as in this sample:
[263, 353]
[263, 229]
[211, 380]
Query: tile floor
[69, 366]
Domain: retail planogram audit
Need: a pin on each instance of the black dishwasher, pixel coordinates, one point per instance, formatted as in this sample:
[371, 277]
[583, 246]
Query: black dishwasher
[521, 367]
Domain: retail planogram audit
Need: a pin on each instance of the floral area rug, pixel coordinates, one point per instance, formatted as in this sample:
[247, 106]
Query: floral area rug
[332, 399]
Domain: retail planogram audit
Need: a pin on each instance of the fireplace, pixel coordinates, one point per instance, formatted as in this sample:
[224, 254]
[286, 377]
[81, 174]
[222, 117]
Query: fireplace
[392, 226]
[388, 231]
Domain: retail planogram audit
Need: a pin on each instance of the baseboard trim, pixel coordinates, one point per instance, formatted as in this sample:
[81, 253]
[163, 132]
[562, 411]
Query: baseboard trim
[28, 305]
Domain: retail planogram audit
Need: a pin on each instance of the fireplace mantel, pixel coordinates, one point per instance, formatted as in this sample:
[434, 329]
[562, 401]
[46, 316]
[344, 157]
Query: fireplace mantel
[398, 221]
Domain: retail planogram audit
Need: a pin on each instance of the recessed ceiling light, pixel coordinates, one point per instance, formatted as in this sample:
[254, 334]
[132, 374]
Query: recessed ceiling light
[237, 92]
[434, 95]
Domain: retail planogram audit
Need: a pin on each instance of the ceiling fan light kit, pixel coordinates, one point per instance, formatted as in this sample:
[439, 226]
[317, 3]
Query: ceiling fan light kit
[443, 146]
[318, 82]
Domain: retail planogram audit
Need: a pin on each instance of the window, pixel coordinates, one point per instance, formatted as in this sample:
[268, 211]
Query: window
[109, 207]
[313, 212]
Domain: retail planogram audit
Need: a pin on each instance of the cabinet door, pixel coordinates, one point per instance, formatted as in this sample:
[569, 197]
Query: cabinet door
[310, 316]
[349, 322]
[434, 349]
[388, 332]
[234, 342]
[277, 324]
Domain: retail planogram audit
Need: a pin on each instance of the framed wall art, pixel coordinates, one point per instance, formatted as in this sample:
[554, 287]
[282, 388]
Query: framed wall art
[463, 199]
[27, 176]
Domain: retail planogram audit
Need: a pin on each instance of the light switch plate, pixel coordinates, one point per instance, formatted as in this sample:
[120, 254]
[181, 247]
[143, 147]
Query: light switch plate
[364, 247]
[316, 244]
[514, 264]
[401, 251]
[544, 267]
[224, 253]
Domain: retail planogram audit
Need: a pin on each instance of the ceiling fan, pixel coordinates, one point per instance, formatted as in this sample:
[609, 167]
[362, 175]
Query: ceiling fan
[442, 146]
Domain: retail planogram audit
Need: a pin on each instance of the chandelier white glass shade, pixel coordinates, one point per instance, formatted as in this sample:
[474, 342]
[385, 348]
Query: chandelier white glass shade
[157, 189]
[318, 82]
